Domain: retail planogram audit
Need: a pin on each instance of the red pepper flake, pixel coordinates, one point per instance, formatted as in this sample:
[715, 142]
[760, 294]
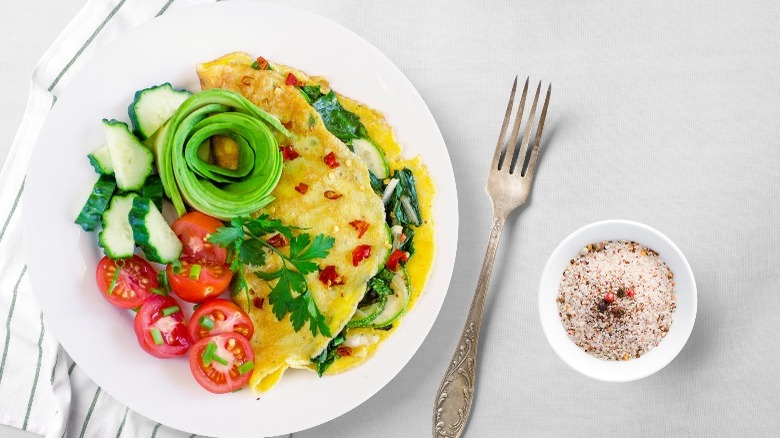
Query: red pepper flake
[609, 297]
[344, 351]
[330, 194]
[329, 276]
[630, 293]
[278, 241]
[262, 63]
[360, 253]
[258, 302]
[246, 80]
[289, 153]
[396, 258]
[360, 226]
[302, 188]
[402, 238]
[331, 161]
[291, 80]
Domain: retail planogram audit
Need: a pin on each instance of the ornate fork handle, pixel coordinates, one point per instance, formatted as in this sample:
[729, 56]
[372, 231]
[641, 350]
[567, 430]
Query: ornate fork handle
[453, 401]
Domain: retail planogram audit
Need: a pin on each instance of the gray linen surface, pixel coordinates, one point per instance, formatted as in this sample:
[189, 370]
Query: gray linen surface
[665, 113]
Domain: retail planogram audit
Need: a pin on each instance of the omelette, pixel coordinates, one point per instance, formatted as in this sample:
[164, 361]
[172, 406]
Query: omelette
[322, 198]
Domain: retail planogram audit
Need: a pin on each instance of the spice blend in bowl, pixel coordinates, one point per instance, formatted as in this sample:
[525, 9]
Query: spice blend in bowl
[617, 299]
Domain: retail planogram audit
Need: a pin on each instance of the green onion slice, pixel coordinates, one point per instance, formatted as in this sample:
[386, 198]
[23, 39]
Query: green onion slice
[156, 336]
[219, 360]
[208, 353]
[115, 277]
[246, 367]
[168, 311]
[158, 291]
[176, 266]
[206, 322]
[195, 272]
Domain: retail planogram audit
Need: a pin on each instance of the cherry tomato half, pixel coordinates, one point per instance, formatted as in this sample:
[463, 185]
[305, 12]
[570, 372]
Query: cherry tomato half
[160, 329]
[126, 283]
[222, 363]
[211, 281]
[193, 229]
[219, 316]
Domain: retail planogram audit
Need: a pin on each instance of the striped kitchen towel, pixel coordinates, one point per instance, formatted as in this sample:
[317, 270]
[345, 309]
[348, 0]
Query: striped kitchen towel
[41, 389]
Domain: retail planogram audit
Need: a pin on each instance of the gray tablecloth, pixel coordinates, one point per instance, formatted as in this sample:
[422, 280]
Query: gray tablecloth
[666, 113]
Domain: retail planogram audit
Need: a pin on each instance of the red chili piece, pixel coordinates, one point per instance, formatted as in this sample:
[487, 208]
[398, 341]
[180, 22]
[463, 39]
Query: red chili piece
[329, 276]
[258, 302]
[289, 153]
[630, 293]
[291, 80]
[331, 161]
[609, 297]
[396, 258]
[360, 226]
[262, 63]
[278, 241]
[344, 351]
[360, 253]
[302, 188]
[330, 194]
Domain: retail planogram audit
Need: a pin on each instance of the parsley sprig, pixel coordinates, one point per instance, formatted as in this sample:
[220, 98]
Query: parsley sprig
[290, 294]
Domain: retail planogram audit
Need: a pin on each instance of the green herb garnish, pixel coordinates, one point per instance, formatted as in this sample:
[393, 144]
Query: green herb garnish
[156, 336]
[246, 367]
[219, 359]
[168, 311]
[206, 322]
[290, 293]
[195, 272]
[208, 353]
[114, 278]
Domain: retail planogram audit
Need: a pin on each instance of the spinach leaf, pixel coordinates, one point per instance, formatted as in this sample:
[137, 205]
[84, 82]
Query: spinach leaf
[408, 244]
[342, 123]
[330, 354]
[376, 184]
[404, 206]
[312, 92]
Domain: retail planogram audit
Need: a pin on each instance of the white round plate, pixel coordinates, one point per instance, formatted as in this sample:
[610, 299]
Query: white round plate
[62, 258]
[682, 320]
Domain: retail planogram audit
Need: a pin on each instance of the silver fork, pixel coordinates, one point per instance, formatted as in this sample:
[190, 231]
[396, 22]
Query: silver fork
[508, 186]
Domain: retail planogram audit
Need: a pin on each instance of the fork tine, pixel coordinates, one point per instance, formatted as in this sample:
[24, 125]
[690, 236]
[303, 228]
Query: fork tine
[512, 145]
[497, 155]
[532, 161]
[519, 160]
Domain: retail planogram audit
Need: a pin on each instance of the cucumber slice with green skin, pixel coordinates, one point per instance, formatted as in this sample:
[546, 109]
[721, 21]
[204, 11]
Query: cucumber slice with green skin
[153, 190]
[97, 202]
[100, 159]
[153, 106]
[373, 156]
[152, 232]
[396, 303]
[131, 159]
[365, 315]
[116, 238]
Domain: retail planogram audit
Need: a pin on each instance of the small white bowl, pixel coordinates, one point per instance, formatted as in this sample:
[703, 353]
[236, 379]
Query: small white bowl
[682, 320]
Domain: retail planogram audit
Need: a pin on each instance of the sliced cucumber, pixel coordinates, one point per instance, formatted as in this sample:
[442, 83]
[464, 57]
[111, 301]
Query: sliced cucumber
[116, 238]
[365, 315]
[100, 159]
[152, 232]
[153, 190]
[131, 159]
[97, 202]
[154, 106]
[396, 303]
[373, 156]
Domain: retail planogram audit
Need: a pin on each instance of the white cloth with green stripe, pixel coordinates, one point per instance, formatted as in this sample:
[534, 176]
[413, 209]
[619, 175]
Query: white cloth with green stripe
[41, 389]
